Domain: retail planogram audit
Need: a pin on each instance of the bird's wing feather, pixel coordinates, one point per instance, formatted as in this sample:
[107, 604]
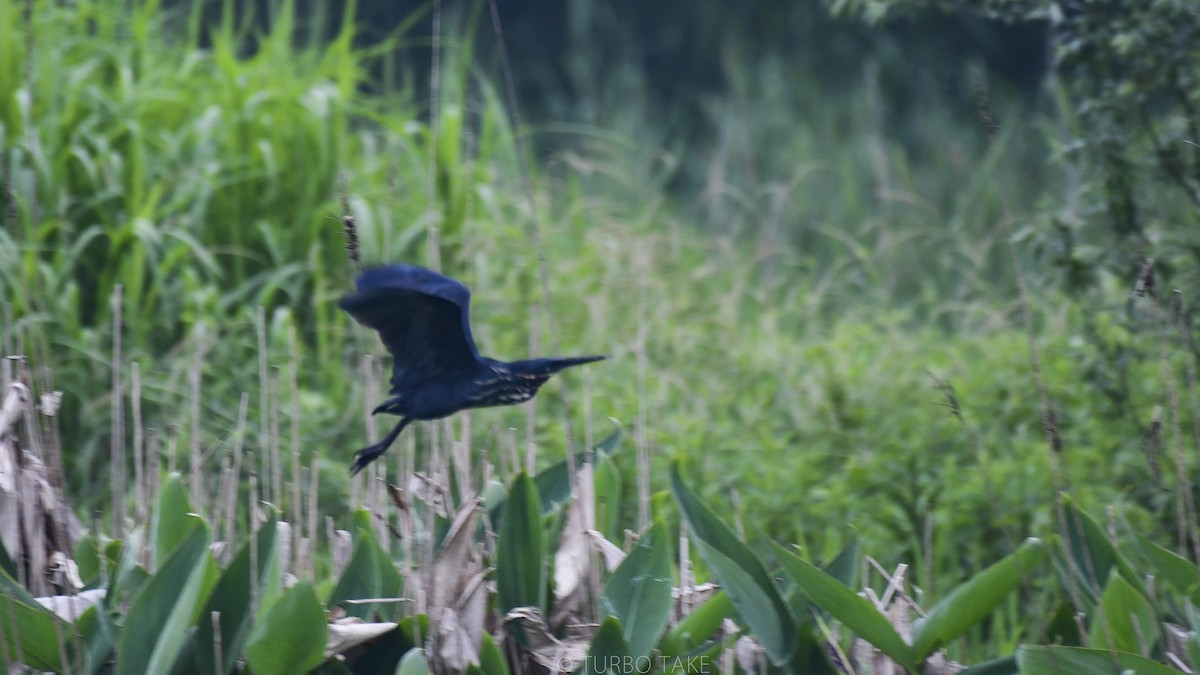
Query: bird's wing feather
[421, 316]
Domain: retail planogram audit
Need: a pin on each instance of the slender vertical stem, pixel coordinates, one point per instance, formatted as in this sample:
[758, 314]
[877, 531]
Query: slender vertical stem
[139, 450]
[293, 382]
[264, 400]
[195, 474]
[117, 466]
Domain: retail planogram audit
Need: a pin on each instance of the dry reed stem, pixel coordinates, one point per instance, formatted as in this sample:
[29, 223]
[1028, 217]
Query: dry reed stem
[314, 475]
[195, 474]
[276, 477]
[152, 480]
[117, 459]
[239, 441]
[293, 383]
[252, 529]
[264, 402]
[139, 449]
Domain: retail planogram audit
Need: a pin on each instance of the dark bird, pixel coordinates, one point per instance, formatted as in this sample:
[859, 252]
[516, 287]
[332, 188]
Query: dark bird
[422, 318]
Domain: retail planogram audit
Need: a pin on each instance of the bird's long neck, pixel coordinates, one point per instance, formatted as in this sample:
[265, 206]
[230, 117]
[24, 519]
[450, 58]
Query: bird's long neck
[545, 367]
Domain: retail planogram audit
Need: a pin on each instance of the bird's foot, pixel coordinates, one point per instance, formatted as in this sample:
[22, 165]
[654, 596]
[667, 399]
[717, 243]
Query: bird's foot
[365, 456]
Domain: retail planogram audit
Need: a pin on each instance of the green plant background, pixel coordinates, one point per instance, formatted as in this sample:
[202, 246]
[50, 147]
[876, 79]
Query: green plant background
[785, 329]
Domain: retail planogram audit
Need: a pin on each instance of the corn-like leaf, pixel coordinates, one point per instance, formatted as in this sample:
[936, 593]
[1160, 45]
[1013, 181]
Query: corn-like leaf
[1047, 660]
[968, 604]
[1124, 620]
[26, 624]
[231, 600]
[290, 637]
[1176, 570]
[1092, 555]
[639, 591]
[741, 574]
[158, 620]
[413, 663]
[608, 497]
[520, 571]
[169, 523]
[1005, 666]
[854, 611]
[609, 653]
[369, 574]
[491, 660]
[693, 629]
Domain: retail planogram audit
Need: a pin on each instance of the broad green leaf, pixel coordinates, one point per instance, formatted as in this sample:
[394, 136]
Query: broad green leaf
[158, 620]
[520, 574]
[854, 611]
[972, 601]
[1003, 666]
[28, 628]
[290, 636]
[609, 653]
[741, 574]
[639, 591]
[369, 574]
[1176, 570]
[554, 482]
[99, 635]
[413, 663]
[1047, 660]
[169, 523]
[491, 660]
[699, 625]
[608, 497]
[1124, 620]
[231, 599]
[127, 576]
[844, 566]
[1092, 553]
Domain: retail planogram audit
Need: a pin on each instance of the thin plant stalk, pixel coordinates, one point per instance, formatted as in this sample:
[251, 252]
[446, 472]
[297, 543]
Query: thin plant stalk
[117, 461]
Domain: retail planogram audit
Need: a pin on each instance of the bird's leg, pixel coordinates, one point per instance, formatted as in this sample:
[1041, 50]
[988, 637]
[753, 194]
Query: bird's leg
[368, 454]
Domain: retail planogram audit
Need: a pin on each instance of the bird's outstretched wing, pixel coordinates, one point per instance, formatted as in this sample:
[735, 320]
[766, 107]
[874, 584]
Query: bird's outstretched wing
[422, 318]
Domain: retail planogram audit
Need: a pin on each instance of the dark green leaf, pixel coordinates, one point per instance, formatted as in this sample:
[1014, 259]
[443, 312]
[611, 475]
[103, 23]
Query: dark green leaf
[160, 616]
[169, 523]
[1176, 570]
[741, 574]
[369, 574]
[491, 661]
[1124, 620]
[1003, 666]
[1092, 554]
[290, 637]
[854, 611]
[1047, 660]
[28, 628]
[608, 653]
[520, 575]
[231, 600]
[413, 663]
[968, 604]
[693, 629]
[639, 591]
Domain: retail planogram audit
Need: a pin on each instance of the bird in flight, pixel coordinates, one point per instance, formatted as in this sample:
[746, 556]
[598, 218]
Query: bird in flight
[423, 319]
